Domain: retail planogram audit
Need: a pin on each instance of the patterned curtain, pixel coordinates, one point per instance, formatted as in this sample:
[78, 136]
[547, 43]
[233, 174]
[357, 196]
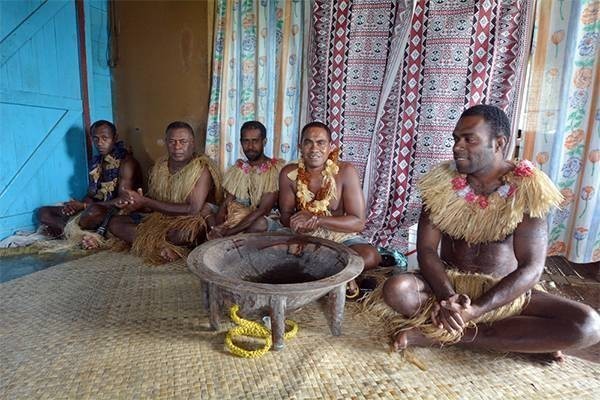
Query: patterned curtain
[257, 68]
[459, 53]
[354, 43]
[562, 121]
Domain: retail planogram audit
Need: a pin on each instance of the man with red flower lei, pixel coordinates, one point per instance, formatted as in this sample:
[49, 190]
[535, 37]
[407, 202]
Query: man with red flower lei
[251, 187]
[489, 215]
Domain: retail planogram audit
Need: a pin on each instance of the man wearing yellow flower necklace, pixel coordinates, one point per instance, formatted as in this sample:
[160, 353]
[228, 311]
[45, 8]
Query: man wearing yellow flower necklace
[488, 214]
[321, 196]
[251, 187]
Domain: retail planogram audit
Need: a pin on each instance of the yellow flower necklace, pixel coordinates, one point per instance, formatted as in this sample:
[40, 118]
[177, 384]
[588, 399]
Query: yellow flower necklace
[317, 204]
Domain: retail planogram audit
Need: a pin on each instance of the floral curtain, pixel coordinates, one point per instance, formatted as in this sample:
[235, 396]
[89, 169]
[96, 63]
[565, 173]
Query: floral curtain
[257, 68]
[562, 121]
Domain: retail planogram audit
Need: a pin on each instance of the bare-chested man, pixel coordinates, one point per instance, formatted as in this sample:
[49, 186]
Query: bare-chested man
[183, 188]
[321, 196]
[113, 170]
[489, 216]
[251, 187]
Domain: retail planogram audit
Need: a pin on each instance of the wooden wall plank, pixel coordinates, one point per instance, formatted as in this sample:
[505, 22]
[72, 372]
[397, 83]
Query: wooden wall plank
[39, 100]
[18, 184]
[11, 43]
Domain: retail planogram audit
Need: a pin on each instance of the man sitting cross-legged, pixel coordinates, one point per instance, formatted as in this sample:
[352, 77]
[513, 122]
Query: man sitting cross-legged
[113, 170]
[321, 196]
[489, 216]
[183, 188]
[251, 187]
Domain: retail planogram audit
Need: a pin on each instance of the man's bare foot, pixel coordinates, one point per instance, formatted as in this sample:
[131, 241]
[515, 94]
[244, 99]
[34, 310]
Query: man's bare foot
[89, 242]
[352, 290]
[169, 254]
[50, 232]
[412, 337]
[548, 358]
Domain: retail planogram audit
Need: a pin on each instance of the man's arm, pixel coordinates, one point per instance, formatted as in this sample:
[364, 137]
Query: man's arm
[267, 201]
[434, 272]
[193, 204]
[222, 213]
[287, 196]
[128, 172]
[431, 266]
[529, 243]
[353, 219]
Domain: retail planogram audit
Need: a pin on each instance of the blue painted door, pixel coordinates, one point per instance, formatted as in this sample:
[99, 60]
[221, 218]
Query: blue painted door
[42, 141]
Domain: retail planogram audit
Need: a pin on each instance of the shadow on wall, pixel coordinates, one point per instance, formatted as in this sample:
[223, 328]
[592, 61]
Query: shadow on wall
[135, 143]
[76, 152]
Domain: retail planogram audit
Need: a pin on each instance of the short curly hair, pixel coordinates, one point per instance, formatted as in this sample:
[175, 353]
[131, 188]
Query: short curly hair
[495, 117]
[315, 124]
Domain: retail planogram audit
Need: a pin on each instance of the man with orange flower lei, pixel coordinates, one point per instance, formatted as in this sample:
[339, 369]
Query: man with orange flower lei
[321, 196]
[479, 290]
[251, 188]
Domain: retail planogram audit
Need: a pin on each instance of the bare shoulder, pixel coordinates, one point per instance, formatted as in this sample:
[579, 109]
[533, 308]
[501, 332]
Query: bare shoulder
[289, 168]
[130, 162]
[346, 166]
[347, 170]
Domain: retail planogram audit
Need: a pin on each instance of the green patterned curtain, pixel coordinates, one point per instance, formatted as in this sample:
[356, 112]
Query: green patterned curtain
[257, 69]
[562, 121]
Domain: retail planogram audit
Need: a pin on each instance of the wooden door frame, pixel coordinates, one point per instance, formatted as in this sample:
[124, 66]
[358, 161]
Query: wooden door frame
[83, 72]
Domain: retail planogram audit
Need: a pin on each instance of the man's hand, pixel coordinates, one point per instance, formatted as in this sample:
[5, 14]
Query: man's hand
[303, 222]
[453, 313]
[461, 304]
[72, 207]
[217, 232]
[131, 200]
[446, 319]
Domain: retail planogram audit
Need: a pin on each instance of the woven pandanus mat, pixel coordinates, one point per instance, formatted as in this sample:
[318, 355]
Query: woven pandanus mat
[106, 326]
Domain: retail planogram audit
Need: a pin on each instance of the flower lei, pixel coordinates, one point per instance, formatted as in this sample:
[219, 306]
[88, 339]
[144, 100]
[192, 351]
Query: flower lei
[465, 191]
[318, 203]
[262, 168]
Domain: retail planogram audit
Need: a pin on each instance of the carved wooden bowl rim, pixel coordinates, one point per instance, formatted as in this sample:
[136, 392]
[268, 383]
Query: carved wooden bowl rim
[353, 268]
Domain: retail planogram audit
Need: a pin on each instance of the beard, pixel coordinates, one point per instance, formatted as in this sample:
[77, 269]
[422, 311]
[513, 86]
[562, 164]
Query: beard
[253, 155]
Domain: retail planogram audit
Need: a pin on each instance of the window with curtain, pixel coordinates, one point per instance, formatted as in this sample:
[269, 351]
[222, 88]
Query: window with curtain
[257, 69]
[562, 121]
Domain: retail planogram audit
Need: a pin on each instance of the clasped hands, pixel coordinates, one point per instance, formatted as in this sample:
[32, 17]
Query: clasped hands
[304, 222]
[453, 313]
[217, 232]
[130, 200]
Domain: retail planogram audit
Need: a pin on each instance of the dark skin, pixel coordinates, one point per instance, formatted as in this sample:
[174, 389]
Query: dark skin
[129, 177]
[253, 145]
[347, 209]
[180, 146]
[547, 324]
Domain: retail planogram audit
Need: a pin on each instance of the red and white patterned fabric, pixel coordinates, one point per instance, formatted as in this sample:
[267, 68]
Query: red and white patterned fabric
[393, 87]
[351, 43]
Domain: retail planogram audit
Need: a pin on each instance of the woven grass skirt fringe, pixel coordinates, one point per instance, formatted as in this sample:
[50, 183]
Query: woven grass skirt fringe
[151, 235]
[473, 285]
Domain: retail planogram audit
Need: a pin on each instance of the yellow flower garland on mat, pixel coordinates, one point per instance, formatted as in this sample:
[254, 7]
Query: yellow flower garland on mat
[252, 329]
[318, 203]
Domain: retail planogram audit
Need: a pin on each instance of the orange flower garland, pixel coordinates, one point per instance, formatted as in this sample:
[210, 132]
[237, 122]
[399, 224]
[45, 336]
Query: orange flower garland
[318, 203]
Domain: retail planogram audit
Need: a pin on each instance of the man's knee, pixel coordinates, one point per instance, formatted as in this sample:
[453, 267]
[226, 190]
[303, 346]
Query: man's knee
[372, 258]
[260, 225]
[399, 292]
[91, 217]
[44, 215]
[587, 326]
[369, 254]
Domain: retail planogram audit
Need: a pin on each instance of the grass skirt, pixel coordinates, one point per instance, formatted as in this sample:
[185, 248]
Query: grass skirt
[473, 285]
